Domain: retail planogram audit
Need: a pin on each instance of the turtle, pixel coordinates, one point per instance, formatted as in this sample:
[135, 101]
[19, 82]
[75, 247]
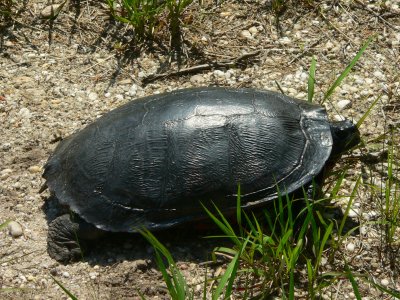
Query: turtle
[155, 162]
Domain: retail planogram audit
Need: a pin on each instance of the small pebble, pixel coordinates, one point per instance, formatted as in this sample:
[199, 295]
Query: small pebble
[385, 282]
[54, 272]
[6, 146]
[119, 97]
[15, 229]
[285, 40]
[253, 30]
[24, 113]
[5, 173]
[92, 96]
[219, 73]
[371, 215]
[125, 81]
[246, 34]
[225, 14]
[343, 104]
[133, 90]
[379, 75]
[354, 212]
[197, 79]
[51, 11]
[34, 169]
[350, 247]
[140, 264]
[65, 274]
[329, 45]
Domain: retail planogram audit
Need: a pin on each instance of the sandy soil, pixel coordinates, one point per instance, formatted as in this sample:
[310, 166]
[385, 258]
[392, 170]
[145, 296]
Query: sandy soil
[56, 77]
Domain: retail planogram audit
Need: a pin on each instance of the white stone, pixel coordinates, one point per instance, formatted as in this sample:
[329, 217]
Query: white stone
[253, 30]
[51, 10]
[197, 79]
[6, 146]
[5, 171]
[133, 90]
[246, 34]
[350, 247]
[219, 73]
[119, 97]
[363, 230]
[15, 229]
[285, 40]
[24, 113]
[92, 96]
[371, 215]
[369, 81]
[385, 282]
[329, 45]
[353, 212]
[379, 75]
[34, 169]
[65, 274]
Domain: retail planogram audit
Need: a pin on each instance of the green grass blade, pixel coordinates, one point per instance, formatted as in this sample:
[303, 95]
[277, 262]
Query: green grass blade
[346, 71]
[348, 207]
[177, 287]
[283, 241]
[226, 250]
[239, 211]
[366, 114]
[3, 225]
[354, 284]
[230, 271]
[338, 184]
[229, 275]
[311, 80]
[223, 225]
[291, 284]
[327, 234]
[70, 295]
[394, 293]
[163, 269]
[311, 278]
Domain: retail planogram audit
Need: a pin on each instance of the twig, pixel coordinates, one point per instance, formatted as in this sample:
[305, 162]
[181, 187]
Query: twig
[198, 68]
[305, 51]
[375, 14]
[334, 27]
[98, 63]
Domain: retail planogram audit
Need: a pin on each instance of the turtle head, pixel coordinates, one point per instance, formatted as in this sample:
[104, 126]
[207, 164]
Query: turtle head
[345, 136]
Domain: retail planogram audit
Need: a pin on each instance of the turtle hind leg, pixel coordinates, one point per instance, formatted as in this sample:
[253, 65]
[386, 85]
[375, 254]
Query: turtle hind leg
[66, 238]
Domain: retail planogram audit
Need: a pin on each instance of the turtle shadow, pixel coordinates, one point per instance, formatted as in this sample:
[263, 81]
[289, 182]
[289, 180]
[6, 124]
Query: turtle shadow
[183, 242]
[187, 242]
[335, 214]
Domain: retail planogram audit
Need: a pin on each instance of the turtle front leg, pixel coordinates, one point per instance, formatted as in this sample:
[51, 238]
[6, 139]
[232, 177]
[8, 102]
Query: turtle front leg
[66, 237]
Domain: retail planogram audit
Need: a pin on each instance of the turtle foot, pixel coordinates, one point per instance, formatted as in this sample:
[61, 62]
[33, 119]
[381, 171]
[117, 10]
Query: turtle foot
[63, 242]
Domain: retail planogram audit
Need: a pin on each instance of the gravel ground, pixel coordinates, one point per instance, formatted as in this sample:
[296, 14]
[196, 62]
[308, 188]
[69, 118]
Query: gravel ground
[58, 77]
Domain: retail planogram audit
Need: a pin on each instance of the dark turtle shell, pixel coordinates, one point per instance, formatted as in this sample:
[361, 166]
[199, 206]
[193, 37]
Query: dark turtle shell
[151, 162]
